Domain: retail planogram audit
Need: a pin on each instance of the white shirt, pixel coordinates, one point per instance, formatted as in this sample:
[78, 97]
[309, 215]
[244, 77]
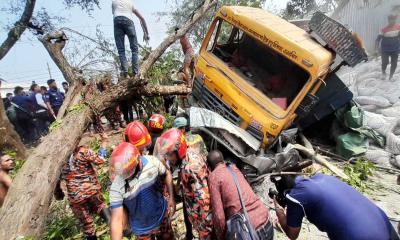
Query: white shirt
[39, 100]
[123, 8]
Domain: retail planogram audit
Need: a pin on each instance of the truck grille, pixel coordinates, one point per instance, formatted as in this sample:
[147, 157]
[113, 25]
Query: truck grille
[209, 101]
[256, 133]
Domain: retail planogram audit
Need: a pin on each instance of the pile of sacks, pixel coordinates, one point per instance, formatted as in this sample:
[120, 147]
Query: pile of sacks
[380, 100]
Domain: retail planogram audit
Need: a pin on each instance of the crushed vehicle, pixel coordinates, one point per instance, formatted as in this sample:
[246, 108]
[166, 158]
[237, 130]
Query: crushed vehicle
[259, 78]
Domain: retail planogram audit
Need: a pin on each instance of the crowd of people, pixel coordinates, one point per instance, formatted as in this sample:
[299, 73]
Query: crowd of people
[32, 112]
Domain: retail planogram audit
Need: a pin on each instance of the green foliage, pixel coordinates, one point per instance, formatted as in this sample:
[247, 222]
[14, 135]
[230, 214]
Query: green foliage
[55, 125]
[76, 108]
[95, 144]
[61, 223]
[24, 238]
[299, 8]
[358, 174]
[182, 11]
[169, 120]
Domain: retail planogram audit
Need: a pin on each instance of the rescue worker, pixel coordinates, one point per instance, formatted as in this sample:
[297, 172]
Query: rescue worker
[135, 187]
[155, 126]
[137, 134]
[83, 187]
[173, 148]
[332, 206]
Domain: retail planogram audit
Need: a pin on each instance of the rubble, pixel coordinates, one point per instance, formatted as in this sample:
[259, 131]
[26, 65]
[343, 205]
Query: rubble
[379, 99]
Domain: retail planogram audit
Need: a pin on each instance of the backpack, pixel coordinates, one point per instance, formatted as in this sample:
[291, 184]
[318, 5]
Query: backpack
[239, 226]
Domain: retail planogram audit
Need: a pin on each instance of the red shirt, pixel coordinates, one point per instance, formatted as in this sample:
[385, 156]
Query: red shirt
[225, 199]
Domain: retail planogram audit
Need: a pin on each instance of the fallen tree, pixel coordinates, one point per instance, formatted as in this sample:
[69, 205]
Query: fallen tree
[26, 205]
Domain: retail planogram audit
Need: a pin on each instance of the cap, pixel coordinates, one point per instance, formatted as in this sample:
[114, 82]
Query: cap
[180, 122]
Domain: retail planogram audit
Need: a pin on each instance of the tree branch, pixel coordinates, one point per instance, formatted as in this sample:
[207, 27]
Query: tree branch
[154, 55]
[160, 90]
[19, 27]
[54, 43]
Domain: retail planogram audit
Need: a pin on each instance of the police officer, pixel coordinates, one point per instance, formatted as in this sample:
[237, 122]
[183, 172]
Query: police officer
[56, 97]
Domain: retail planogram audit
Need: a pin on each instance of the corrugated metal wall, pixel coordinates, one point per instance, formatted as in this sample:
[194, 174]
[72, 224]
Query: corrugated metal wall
[366, 17]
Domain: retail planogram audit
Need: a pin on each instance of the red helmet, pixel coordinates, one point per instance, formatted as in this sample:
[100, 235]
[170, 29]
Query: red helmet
[124, 160]
[171, 141]
[156, 123]
[138, 135]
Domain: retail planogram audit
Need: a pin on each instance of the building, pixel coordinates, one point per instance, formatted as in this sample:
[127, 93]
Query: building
[9, 88]
[366, 17]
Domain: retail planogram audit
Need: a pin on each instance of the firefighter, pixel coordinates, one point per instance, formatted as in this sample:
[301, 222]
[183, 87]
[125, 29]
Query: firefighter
[172, 147]
[137, 134]
[83, 187]
[155, 126]
[136, 196]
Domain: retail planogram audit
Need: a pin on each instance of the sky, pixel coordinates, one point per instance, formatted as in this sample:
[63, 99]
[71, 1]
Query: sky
[27, 60]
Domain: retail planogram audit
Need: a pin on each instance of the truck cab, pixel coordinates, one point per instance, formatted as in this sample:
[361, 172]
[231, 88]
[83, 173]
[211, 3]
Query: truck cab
[259, 71]
[255, 69]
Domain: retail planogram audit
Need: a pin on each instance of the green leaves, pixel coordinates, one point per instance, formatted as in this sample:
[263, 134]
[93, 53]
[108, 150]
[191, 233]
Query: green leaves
[358, 174]
[55, 125]
[76, 108]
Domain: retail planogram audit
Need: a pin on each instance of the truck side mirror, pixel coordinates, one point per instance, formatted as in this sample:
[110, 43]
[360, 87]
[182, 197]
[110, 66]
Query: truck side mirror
[305, 107]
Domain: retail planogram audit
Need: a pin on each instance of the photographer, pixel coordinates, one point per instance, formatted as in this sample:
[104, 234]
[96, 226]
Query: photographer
[332, 206]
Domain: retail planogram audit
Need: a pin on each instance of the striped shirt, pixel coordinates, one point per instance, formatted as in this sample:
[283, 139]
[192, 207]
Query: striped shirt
[142, 196]
[390, 37]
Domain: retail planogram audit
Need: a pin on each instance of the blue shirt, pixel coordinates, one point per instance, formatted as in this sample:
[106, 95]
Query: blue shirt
[26, 102]
[336, 208]
[46, 97]
[143, 198]
[56, 98]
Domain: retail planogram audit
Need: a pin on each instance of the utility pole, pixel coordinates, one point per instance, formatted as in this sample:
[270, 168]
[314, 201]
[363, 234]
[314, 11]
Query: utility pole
[48, 67]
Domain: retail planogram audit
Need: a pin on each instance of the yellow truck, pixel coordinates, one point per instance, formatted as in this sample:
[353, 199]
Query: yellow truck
[261, 73]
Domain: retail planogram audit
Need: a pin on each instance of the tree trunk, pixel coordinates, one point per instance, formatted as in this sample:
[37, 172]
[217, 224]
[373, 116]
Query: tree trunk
[73, 97]
[19, 27]
[28, 200]
[54, 44]
[9, 137]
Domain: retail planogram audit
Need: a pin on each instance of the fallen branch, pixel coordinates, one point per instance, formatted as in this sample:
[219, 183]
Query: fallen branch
[322, 160]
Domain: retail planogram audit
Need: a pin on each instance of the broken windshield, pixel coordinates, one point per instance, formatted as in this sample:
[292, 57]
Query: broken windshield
[267, 71]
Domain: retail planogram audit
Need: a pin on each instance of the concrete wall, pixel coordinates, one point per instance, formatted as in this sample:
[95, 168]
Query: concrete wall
[366, 17]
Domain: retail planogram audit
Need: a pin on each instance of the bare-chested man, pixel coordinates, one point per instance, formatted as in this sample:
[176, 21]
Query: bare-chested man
[6, 165]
